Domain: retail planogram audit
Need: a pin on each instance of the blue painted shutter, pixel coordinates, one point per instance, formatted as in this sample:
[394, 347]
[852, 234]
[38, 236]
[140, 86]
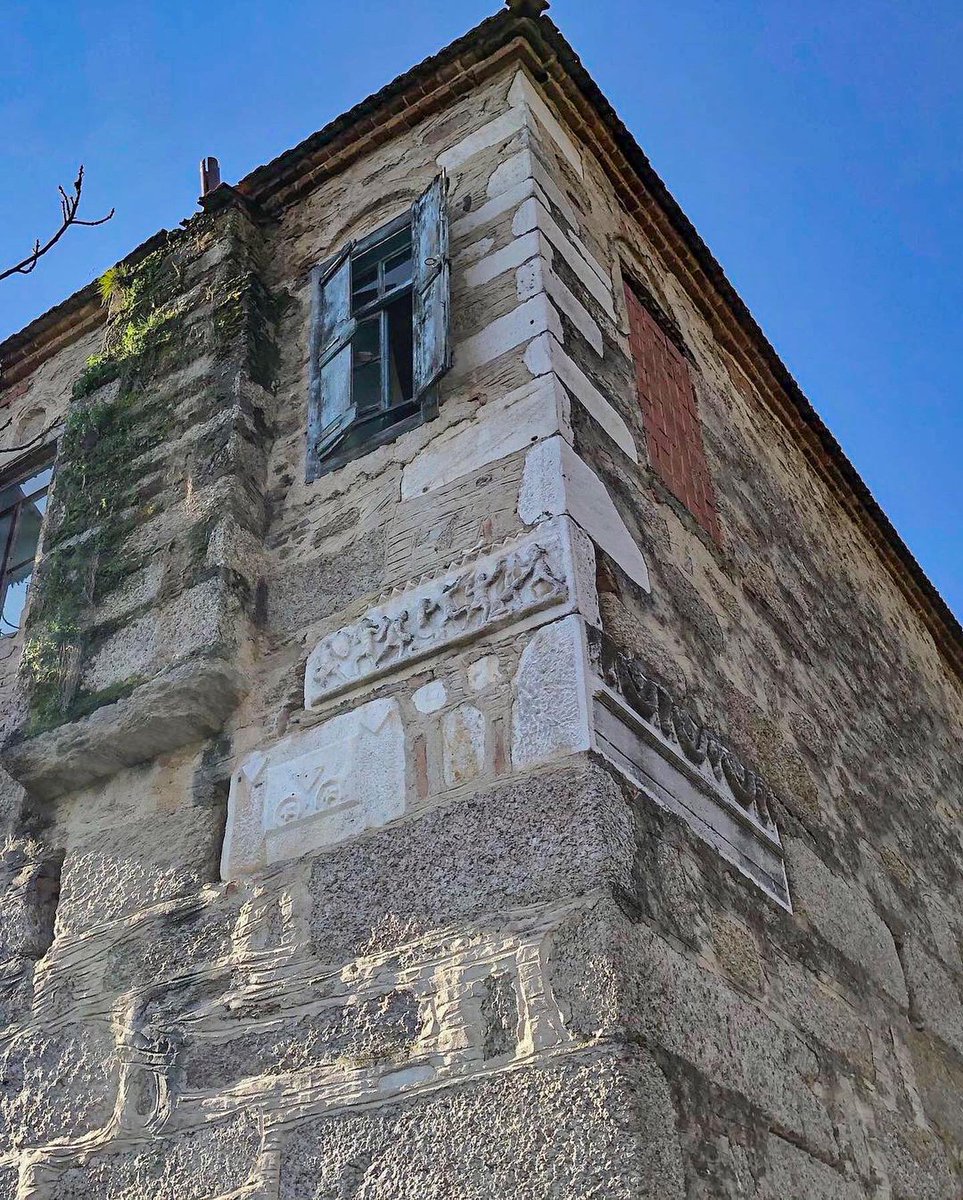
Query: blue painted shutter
[332, 330]
[431, 278]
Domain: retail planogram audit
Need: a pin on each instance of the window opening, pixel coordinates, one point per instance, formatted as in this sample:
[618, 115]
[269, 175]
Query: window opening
[382, 352]
[23, 503]
[380, 336]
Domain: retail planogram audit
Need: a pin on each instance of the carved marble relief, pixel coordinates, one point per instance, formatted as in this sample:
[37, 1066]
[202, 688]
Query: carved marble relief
[316, 788]
[687, 768]
[551, 710]
[516, 581]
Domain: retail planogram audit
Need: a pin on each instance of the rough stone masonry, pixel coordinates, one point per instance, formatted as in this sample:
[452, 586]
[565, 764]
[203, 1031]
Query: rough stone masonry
[472, 734]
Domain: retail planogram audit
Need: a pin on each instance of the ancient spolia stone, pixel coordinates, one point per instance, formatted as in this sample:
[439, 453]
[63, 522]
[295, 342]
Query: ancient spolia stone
[316, 788]
[494, 590]
[698, 744]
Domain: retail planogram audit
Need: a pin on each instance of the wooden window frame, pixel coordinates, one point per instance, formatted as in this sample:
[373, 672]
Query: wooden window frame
[333, 418]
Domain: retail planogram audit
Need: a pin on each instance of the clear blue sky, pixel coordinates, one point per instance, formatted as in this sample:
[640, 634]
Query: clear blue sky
[817, 147]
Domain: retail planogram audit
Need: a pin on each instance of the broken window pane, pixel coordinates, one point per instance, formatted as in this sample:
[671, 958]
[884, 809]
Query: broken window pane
[365, 287]
[398, 271]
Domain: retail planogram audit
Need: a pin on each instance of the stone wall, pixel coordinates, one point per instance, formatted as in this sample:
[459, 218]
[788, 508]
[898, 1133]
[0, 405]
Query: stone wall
[618, 861]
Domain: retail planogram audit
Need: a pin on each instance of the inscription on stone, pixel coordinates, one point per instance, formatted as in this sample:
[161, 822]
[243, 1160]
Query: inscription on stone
[688, 769]
[503, 587]
[699, 745]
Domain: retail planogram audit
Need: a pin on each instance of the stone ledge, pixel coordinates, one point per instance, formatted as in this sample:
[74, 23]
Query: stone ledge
[187, 703]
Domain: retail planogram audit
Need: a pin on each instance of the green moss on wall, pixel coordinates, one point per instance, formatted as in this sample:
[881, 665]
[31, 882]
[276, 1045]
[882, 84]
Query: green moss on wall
[243, 321]
[99, 495]
[94, 504]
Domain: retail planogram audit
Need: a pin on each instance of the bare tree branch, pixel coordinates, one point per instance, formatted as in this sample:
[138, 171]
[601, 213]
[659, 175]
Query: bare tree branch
[69, 204]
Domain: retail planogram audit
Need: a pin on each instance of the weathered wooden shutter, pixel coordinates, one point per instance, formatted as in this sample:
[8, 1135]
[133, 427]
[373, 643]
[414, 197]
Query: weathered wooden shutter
[332, 330]
[431, 277]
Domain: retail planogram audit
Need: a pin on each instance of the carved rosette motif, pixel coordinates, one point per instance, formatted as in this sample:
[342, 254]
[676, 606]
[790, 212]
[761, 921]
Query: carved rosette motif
[498, 589]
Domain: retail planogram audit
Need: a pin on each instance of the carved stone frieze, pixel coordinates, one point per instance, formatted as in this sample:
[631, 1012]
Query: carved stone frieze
[702, 748]
[516, 581]
[686, 767]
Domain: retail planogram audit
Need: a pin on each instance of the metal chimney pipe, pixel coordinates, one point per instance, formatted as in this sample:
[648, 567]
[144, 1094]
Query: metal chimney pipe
[210, 175]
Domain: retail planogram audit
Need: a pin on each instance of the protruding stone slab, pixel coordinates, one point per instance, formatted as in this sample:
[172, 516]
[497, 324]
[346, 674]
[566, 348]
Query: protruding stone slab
[184, 704]
[557, 481]
[687, 769]
[316, 788]
[524, 581]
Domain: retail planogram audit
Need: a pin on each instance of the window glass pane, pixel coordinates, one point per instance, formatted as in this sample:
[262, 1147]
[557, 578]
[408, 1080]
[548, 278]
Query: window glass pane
[366, 365]
[9, 496]
[398, 270]
[5, 524]
[365, 284]
[26, 487]
[367, 387]
[27, 537]
[14, 599]
[384, 266]
[400, 351]
[400, 243]
[26, 503]
[365, 265]
[366, 344]
[38, 482]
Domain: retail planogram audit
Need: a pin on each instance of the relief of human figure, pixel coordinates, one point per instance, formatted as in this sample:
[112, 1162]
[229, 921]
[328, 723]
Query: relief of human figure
[426, 610]
[498, 589]
[532, 569]
[483, 594]
[392, 635]
[456, 599]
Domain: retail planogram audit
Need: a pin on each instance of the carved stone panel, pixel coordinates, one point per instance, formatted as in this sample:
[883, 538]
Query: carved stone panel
[514, 583]
[463, 733]
[551, 712]
[316, 788]
[688, 769]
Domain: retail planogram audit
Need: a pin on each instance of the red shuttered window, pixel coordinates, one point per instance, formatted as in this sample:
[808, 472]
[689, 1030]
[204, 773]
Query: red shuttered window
[670, 414]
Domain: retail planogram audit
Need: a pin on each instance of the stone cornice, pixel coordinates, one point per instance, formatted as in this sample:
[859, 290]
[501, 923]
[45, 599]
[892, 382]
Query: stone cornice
[22, 353]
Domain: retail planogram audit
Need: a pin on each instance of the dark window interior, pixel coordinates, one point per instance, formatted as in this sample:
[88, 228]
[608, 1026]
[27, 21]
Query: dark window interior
[23, 502]
[382, 353]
